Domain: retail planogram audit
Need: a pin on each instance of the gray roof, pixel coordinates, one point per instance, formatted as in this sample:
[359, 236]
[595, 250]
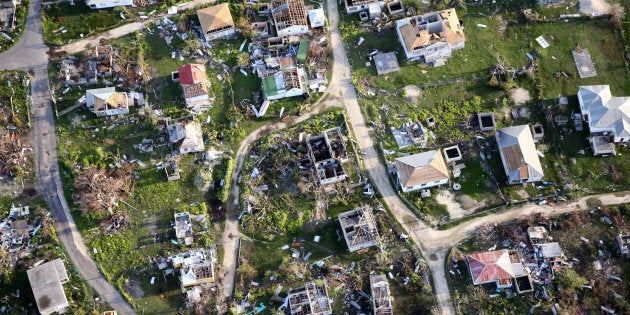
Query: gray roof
[386, 63]
[46, 281]
[518, 153]
[605, 110]
[550, 250]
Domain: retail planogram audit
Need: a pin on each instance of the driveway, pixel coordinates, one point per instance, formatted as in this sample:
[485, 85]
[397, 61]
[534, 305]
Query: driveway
[29, 54]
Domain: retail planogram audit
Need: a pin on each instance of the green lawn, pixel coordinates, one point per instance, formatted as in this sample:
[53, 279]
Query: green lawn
[77, 19]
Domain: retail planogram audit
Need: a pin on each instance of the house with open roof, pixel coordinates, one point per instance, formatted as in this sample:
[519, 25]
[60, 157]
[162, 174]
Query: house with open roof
[607, 116]
[216, 21]
[186, 136]
[422, 170]
[518, 155]
[431, 37]
[107, 102]
[502, 267]
[288, 81]
[195, 86]
[359, 228]
[289, 17]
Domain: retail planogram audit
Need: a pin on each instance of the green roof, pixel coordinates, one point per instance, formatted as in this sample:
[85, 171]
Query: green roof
[269, 86]
[301, 54]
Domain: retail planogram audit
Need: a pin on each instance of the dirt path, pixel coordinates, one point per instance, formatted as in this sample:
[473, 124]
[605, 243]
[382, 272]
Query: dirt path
[92, 41]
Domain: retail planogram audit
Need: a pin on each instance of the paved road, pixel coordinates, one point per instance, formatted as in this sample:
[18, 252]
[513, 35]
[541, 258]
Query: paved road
[29, 54]
[123, 30]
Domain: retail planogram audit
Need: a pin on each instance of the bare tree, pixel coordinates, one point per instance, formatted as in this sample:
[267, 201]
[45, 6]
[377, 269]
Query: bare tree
[98, 189]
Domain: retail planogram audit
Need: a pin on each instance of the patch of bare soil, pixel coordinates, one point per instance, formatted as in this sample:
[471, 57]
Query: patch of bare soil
[594, 7]
[412, 93]
[520, 96]
[458, 206]
[134, 288]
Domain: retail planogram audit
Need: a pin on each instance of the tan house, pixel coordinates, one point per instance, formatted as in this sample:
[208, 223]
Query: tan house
[518, 154]
[422, 170]
[431, 37]
[216, 21]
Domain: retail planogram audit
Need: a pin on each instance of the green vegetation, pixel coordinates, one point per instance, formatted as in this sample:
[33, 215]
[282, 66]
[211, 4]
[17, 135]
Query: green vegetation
[77, 19]
[20, 25]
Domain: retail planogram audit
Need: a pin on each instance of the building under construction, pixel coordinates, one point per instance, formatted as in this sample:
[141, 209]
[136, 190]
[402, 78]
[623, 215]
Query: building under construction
[359, 228]
[310, 299]
[381, 298]
[289, 17]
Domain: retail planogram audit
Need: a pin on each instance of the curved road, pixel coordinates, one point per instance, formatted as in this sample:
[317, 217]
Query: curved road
[30, 54]
[432, 243]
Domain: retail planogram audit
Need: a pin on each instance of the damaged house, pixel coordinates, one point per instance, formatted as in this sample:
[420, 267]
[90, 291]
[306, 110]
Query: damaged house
[359, 228]
[608, 117]
[518, 154]
[289, 17]
[354, 6]
[196, 267]
[312, 299]
[46, 282]
[327, 153]
[287, 81]
[183, 227]
[186, 136]
[431, 37]
[195, 85]
[216, 22]
[422, 170]
[381, 296]
[107, 102]
[502, 267]
[102, 4]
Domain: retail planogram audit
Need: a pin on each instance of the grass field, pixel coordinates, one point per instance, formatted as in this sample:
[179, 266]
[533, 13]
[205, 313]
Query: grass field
[77, 19]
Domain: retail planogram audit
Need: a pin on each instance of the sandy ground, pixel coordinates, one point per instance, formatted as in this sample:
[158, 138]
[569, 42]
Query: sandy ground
[520, 96]
[458, 207]
[594, 7]
[412, 93]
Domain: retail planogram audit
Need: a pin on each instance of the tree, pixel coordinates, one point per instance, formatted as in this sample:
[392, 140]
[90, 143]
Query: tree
[570, 280]
[243, 59]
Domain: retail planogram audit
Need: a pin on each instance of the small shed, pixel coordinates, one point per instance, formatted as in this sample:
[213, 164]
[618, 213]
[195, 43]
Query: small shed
[317, 18]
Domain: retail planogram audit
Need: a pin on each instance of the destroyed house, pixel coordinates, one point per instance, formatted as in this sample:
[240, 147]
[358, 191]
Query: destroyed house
[422, 170]
[183, 227]
[289, 17]
[186, 136]
[107, 102]
[359, 228]
[537, 235]
[192, 78]
[416, 132]
[216, 21]
[327, 153]
[353, 6]
[312, 299]
[431, 37]
[623, 241]
[102, 4]
[604, 113]
[381, 296]
[502, 267]
[196, 267]
[518, 154]
[46, 282]
[288, 82]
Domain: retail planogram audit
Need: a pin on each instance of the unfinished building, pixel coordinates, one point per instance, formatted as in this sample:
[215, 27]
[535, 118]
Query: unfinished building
[381, 297]
[353, 6]
[359, 228]
[327, 153]
[312, 299]
[107, 102]
[196, 267]
[183, 227]
[289, 17]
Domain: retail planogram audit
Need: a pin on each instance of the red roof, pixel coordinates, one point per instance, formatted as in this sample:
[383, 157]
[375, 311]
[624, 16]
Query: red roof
[490, 266]
[192, 73]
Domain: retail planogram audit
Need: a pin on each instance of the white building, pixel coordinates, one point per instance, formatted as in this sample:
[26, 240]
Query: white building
[317, 18]
[431, 37]
[107, 102]
[605, 113]
[102, 4]
[46, 282]
[422, 170]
